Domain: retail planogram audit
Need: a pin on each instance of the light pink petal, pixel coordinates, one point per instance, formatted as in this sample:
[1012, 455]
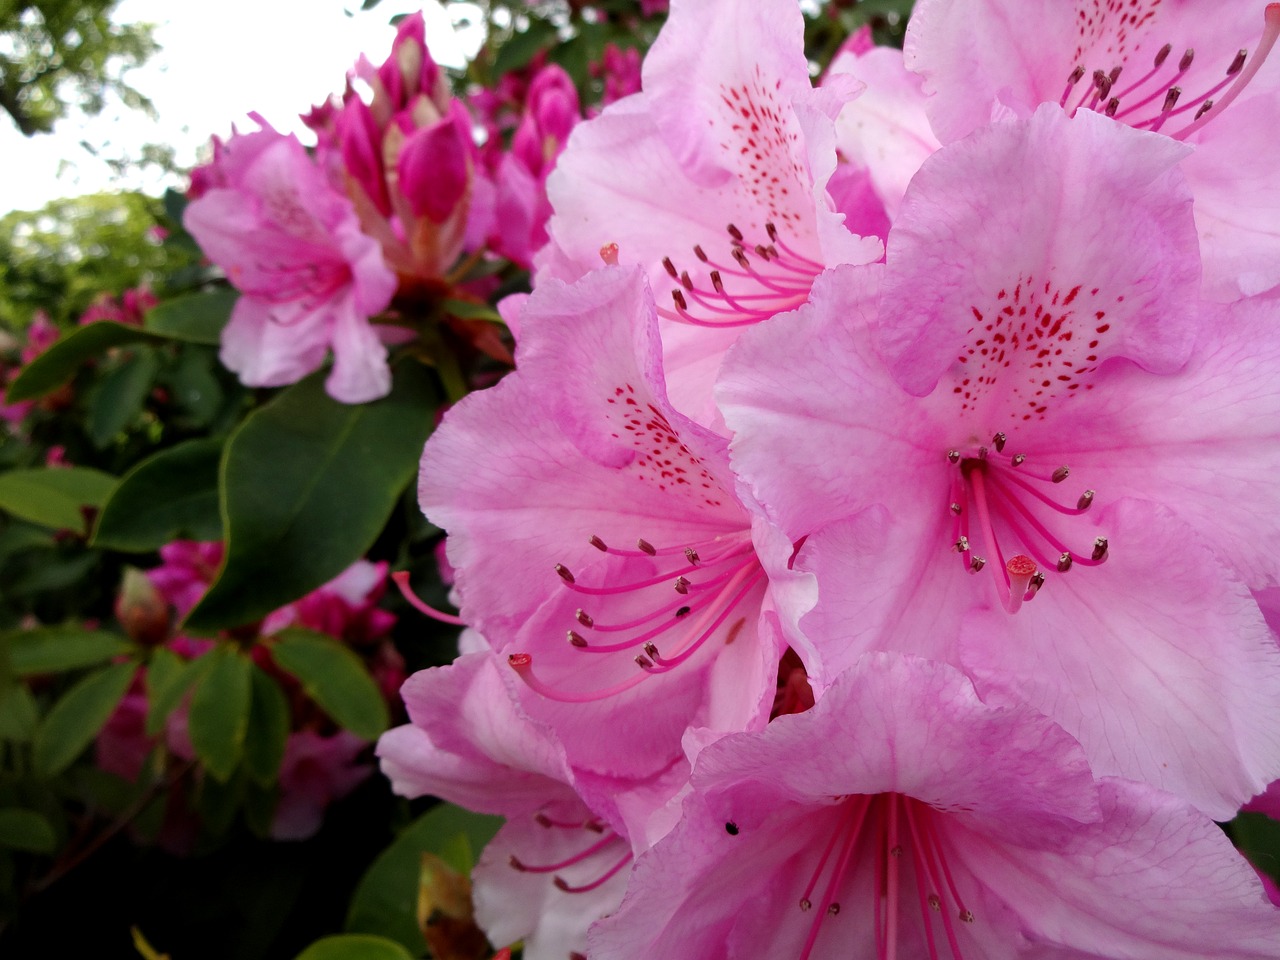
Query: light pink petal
[1184, 696]
[1055, 209]
[360, 371]
[1152, 880]
[885, 130]
[269, 352]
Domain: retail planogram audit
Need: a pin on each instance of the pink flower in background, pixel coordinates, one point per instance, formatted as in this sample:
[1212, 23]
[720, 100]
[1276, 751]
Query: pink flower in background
[619, 70]
[317, 770]
[1198, 71]
[903, 817]
[713, 178]
[1024, 447]
[407, 159]
[310, 279]
[129, 308]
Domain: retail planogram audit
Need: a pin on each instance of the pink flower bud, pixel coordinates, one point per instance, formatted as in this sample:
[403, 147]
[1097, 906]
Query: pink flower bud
[141, 609]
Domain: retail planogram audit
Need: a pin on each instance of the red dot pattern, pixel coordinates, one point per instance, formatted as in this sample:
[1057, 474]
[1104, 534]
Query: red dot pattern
[1107, 29]
[1036, 343]
[762, 136]
[661, 457]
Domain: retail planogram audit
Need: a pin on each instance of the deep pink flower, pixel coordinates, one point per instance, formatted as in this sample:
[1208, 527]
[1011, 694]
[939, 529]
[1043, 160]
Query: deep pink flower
[317, 770]
[129, 308]
[713, 178]
[310, 278]
[597, 538]
[903, 817]
[1198, 71]
[619, 70]
[1036, 321]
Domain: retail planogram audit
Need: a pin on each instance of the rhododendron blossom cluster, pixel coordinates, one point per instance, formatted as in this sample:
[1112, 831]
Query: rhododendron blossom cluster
[865, 556]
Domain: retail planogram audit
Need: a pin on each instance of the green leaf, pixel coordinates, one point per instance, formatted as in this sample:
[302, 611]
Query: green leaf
[17, 712]
[349, 946]
[194, 318]
[76, 719]
[171, 496]
[334, 677]
[307, 485]
[116, 399]
[26, 830]
[522, 47]
[268, 728]
[54, 649]
[169, 677]
[219, 717]
[54, 496]
[59, 363]
[469, 310]
[386, 899]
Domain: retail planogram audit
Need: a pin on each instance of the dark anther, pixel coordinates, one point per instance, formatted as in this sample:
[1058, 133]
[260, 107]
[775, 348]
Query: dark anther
[678, 297]
[1061, 474]
[542, 820]
[976, 564]
[651, 649]
[681, 585]
[772, 231]
[564, 572]
[762, 251]
[1187, 57]
[1099, 548]
[741, 257]
[646, 547]
[516, 864]
[577, 639]
[961, 545]
[956, 509]
[584, 618]
[731, 828]
[1064, 563]
[685, 281]
[1238, 63]
[683, 612]
[1114, 75]
[1086, 499]
[1036, 583]
[598, 543]
[670, 268]
[1163, 54]
[1112, 106]
[1204, 108]
[691, 555]
[953, 456]
[735, 233]
[1019, 460]
[716, 281]
[1171, 98]
[700, 253]
[643, 662]
[1103, 83]
[998, 441]
[1076, 75]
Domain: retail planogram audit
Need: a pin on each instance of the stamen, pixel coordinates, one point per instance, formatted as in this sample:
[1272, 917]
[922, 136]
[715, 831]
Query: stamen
[522, 867]
[598, 544]
[609, 254]
[401, 579]
[562, 884]
[1021, 569]
[1271, 30]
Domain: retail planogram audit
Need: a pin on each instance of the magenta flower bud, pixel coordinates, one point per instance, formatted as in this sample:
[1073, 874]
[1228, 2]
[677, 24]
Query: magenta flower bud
[142, 609]
[434, 170]
[410, 70]
[360, 141]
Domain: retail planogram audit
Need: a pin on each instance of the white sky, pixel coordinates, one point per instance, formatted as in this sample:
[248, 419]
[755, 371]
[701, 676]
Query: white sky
[276, 57]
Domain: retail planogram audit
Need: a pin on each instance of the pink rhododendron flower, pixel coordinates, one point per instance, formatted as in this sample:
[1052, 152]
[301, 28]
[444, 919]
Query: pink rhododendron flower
[1198, 71]
[903, 817]
[619, 70]
[918, 423]
[310, 279]
[713, 178]
[128, 309]
[317, 770]
[597, 538]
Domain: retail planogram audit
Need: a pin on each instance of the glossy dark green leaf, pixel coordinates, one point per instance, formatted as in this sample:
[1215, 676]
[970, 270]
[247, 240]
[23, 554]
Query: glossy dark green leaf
[18, 715]
[219, 716]
[171, 496]
[76, 718]
[54, 649]
[169, 677]
[523, 47]
[334, 677]
[350, 946]
[117, 398]
[59, 363]
[194, 317]
[22, 829]
[268, 728]
[308, 483]
[54, 496]
[469, 310]
[386, 900]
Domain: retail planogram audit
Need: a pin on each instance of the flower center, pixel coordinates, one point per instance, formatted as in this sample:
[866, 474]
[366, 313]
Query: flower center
[761, 276]
[996, 495]
[688, 598]
[888, 827]
[1163, 93]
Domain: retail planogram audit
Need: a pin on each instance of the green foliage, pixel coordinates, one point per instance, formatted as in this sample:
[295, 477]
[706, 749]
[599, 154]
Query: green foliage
[268, 729]
[170, 496]
[78, 716]
[26, 830]
[55, 496]
[354, 947]
[385, 902]
[333, 677]
[194, 317]
[63, 256]
[60, 53]
[219, 718]
[57, 649]
[307, 484]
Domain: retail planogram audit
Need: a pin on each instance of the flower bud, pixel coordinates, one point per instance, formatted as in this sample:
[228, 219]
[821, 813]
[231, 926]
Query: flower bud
[141, 609]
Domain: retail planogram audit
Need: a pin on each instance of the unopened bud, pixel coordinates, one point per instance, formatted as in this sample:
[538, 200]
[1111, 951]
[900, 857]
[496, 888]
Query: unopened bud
[142, 609]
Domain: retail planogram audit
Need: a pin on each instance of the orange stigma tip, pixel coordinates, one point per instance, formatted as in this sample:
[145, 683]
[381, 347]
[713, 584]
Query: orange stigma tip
[1021, 567]
[609, 254]
[520, 661]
